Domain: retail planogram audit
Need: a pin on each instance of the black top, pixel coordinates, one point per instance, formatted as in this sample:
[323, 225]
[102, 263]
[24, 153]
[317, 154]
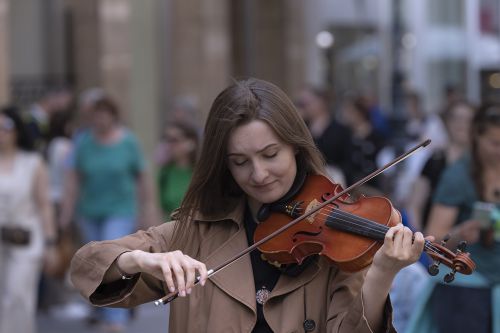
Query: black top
[264, 274]
[432, 170]
[334, 144]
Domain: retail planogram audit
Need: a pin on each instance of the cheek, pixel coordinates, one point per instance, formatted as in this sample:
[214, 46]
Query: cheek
[238, 175]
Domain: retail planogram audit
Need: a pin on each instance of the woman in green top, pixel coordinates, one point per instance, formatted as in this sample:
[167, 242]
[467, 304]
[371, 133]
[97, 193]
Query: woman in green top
[182, 143]
[106, 188]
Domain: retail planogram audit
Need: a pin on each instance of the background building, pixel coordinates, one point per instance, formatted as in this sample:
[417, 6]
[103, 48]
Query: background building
[148, 53]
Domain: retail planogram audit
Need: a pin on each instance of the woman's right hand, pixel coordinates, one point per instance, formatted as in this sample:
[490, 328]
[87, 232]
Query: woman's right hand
[177, 269]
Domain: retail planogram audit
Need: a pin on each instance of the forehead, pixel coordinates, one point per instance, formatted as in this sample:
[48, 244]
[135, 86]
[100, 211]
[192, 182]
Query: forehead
[251, 137]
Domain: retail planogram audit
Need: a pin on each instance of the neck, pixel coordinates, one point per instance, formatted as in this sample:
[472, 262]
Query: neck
[105, 135]
[254, 207]
[454, 151]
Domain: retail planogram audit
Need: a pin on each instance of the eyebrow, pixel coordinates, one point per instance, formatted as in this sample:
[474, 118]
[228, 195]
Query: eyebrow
[259, 151]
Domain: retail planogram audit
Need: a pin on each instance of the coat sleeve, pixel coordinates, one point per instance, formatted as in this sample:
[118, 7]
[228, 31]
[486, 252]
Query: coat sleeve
[346, 309]
[91, 262]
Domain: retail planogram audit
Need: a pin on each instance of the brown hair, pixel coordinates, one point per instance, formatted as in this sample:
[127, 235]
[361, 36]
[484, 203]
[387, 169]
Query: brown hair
[106, 104]
[213, 189]
[487, 116]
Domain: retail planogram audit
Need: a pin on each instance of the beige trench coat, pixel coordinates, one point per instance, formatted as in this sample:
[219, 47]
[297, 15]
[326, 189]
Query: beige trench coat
[329, 299]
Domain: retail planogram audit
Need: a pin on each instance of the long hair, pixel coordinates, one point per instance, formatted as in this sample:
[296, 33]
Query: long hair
[487, 116]
[213, 191]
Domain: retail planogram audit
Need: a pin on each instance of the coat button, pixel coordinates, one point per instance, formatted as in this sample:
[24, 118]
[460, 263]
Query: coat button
[309, 325]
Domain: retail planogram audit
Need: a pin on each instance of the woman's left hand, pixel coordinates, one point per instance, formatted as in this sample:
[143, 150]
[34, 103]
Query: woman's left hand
[401, 248]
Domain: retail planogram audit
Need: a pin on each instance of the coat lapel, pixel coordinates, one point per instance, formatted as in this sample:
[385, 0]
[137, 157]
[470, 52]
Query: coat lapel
[287, 284]
[233, 279]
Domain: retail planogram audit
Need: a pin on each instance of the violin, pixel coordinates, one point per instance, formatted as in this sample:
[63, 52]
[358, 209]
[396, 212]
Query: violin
[320, 219]
[348, 232]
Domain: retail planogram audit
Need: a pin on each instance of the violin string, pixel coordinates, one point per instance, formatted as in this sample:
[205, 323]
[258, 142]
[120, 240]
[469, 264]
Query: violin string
[377, 228]
[369, 225]
[372, 226]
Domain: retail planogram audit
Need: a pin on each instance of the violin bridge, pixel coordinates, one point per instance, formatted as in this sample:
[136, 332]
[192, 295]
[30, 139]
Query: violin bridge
[312, 204]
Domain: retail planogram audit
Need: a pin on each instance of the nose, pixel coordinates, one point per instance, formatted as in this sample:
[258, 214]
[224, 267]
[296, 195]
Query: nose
[259, 172]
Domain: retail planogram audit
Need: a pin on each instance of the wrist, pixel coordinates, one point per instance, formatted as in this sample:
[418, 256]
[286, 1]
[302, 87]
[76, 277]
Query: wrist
[381, 275]
[126, 264]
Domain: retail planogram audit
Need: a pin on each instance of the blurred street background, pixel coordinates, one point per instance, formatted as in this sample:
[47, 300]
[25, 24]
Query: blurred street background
[387, 73]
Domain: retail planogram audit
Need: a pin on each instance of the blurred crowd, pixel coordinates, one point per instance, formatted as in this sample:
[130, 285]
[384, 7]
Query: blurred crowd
[72, 172]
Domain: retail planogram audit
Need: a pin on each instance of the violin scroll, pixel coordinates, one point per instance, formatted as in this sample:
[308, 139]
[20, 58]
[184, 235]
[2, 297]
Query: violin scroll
[459, 261]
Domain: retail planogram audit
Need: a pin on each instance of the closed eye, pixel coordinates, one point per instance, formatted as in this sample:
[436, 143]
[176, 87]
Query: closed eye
[271, 155]
[239, 163]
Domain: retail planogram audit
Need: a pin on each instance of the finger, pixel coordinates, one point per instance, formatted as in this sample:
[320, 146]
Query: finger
[189, 269]
[430, 238]
[398, 237]
[167, 275]
[407, 240]
[202, 269]
[179, 278]
[418, 241]
[389, 236]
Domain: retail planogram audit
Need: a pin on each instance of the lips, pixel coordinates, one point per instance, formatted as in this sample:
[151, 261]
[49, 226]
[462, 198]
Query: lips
[263, 187]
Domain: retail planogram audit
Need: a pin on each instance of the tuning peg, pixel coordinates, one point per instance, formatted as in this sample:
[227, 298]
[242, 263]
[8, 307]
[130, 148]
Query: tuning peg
[462, 246]
[450, 276]
[434, 268]
[445, 239]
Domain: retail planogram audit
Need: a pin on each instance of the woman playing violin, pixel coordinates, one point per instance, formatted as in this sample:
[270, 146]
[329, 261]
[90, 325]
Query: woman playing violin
[255, 145]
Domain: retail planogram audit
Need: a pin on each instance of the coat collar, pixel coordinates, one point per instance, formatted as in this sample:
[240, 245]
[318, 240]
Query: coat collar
[236, 215]
[233, 279]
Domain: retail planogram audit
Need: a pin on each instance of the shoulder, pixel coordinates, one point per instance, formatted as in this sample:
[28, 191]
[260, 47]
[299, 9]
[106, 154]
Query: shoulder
[455, 184]
[458, 170]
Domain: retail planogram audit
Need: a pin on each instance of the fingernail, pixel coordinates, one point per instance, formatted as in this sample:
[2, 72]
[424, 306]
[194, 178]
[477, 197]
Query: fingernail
[189, 291]
[202, 282]
[172, 289]
[182, 293]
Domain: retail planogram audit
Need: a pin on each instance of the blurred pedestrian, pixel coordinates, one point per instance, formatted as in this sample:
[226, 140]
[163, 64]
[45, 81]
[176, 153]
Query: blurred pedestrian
[471, 303]
[28, 233]
[53, 290]
[52, 101]
[420, 126]
[457, 119]
[330, 136]
[174, 177]
[365, 142]
[108, 174]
